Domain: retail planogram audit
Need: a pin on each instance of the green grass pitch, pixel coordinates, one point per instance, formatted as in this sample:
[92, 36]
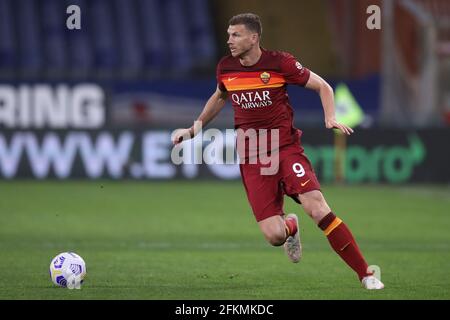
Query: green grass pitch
[199, 240]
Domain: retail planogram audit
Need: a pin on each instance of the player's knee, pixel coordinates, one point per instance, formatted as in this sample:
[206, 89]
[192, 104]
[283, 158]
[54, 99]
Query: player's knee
[316, 208]
[276, 238]
[274, 230]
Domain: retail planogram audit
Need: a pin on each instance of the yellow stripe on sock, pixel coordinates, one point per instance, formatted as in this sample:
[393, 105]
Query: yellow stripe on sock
[336, 222]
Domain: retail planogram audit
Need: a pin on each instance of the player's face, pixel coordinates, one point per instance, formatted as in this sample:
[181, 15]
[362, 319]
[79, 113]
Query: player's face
[240, 40]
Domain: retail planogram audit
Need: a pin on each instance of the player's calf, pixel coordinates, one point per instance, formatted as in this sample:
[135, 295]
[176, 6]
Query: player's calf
[342, 241]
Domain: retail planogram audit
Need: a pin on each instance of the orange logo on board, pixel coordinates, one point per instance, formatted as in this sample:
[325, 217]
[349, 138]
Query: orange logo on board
[265, 77]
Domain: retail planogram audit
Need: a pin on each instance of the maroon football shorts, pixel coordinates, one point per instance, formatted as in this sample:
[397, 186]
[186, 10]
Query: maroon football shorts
[295, 175]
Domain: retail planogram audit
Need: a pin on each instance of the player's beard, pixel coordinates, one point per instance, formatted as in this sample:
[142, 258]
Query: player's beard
[243, 53]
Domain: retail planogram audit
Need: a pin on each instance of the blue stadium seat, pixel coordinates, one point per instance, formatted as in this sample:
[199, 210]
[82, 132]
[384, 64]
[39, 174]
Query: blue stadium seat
[177, 34]
[153, 37]
[128, 37]
[103, 33]
[78, 43]
[201, 32]
[117, 37]
[7, 40]
[53, 31]
[29, 37]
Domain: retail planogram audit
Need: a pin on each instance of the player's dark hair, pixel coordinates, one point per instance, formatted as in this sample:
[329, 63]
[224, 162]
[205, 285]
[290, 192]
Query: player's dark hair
[251, 21]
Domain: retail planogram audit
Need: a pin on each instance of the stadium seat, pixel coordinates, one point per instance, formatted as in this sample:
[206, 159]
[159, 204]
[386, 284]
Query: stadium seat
[29, 37]
[176, 18]
[53, 31]
[201, 33]
[128, 38]
[7, 40]
[78, 43]
[104, 42]
[153, 39]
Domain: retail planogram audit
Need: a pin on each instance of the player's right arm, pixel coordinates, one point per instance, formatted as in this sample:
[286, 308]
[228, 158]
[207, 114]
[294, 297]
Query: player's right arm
[212, 108]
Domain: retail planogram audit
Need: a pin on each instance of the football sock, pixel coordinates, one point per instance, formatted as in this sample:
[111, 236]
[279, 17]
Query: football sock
[342, 241]
[291, 227]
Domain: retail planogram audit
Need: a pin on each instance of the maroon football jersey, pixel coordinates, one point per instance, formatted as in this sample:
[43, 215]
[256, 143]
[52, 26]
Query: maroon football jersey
[259, 96]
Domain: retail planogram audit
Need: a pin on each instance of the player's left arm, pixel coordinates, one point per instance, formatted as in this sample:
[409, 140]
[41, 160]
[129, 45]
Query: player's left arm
[326, 94]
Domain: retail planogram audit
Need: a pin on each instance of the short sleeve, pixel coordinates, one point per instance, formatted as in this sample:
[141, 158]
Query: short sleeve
[218, 77]
[293, 71]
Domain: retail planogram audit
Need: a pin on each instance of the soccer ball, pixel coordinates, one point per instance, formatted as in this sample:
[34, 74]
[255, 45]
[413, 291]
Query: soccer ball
[68, 270]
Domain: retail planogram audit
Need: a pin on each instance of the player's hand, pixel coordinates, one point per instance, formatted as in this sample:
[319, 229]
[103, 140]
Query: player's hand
[333, 124]
[181, 134]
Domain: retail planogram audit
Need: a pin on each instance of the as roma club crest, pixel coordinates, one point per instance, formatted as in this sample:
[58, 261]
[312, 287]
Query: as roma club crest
[265, 77]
